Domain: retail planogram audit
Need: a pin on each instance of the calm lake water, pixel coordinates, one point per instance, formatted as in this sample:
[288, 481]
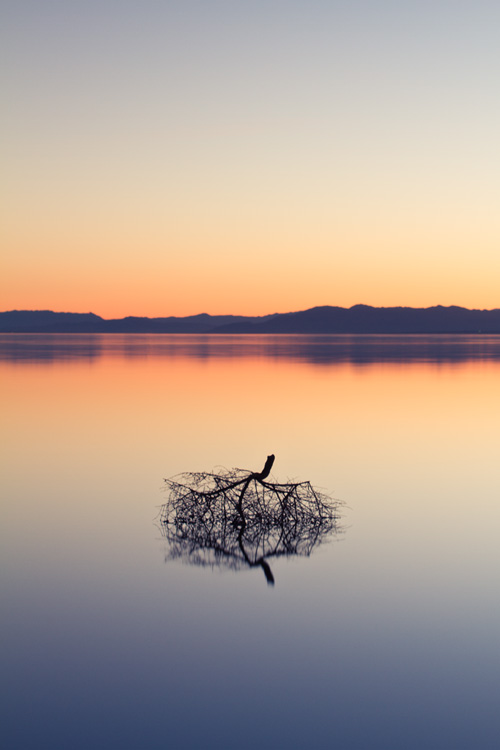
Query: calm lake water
[386, 636]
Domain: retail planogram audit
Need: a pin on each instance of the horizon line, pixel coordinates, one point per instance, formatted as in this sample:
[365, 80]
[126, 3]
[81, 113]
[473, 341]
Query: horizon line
[238, 315]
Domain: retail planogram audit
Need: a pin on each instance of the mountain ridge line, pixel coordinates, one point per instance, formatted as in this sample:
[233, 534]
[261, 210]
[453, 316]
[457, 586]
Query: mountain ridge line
[326, 319]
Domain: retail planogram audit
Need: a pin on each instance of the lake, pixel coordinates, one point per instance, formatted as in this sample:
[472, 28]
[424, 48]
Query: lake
[384, 635]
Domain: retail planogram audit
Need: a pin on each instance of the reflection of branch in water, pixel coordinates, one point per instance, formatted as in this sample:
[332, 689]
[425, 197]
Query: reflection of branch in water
[238, 519]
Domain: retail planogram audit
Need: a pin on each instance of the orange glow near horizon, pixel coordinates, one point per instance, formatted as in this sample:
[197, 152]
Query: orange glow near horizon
[146, 305]
[244, 285]
[229, 265]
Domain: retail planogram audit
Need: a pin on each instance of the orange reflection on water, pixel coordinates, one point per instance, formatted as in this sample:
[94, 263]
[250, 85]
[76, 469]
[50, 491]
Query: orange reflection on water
[238, 409]
[411, 447]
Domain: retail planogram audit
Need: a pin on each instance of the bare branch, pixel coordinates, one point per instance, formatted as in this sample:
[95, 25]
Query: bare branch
[236, 519]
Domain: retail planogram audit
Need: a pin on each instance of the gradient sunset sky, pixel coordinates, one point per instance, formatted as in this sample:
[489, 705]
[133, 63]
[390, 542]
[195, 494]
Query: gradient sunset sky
[172, 158]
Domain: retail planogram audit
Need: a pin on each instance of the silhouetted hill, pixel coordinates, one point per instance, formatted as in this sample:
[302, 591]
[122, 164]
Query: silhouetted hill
[46, 321]
[202, 323]
[358, 319]
[366, 319]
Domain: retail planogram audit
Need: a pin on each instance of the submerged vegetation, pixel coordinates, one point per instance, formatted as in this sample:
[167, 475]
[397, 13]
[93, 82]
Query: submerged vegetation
[237, 519]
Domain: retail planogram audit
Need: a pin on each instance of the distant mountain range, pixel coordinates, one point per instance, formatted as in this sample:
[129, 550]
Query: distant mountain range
[361, 319]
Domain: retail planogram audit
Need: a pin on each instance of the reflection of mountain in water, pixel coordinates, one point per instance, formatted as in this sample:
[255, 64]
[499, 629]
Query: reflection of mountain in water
[237, 519]
[313, 349]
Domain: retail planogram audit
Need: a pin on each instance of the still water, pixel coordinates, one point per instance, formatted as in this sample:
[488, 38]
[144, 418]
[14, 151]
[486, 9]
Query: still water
[386, 636]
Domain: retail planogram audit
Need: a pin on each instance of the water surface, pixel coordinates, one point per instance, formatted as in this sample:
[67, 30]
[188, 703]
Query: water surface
[388, 636]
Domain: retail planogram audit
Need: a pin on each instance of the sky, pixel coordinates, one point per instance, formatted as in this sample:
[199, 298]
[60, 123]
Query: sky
[172, 158]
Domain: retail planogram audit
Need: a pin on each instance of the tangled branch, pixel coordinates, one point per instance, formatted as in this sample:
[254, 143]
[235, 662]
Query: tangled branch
[238, 519]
